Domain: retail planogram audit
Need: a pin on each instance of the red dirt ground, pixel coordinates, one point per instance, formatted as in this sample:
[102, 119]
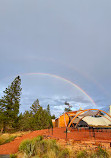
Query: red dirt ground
[58, 133]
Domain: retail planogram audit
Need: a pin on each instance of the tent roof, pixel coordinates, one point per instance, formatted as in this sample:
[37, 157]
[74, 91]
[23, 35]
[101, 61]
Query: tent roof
[90, 113]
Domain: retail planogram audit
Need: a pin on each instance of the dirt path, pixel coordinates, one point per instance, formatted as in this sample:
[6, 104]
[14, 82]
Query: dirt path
[12, 147]
[57, 133]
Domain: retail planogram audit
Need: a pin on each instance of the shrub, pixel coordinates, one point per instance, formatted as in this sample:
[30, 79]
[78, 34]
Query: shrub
[50, 154]
[13, 156]
[43, 148]
[51, 144]
[82, 154]
[26, 147]
[39, 138]
[7, 140]
[101, 153]
[10, 139]
[31, 147]
[64, 153]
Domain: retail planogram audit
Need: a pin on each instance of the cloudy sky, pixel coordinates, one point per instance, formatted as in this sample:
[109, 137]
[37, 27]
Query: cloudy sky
[43, 39]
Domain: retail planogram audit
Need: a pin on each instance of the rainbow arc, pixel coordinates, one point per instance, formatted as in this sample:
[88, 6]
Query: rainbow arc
[63, 79]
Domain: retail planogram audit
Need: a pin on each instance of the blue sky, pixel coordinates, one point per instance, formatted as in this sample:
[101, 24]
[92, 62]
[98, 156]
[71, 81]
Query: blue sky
[70, 39]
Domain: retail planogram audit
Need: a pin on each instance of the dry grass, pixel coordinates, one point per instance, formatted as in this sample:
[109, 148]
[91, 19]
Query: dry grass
[48, 148]
[7, 137]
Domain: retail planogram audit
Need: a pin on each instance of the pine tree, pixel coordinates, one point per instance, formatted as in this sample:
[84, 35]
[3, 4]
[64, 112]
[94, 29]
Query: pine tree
[25, 121]
[41, 118]
[10, 103]
[68, 107]
[48, 109]
[35, 106]
[53, 116]
[49, 116]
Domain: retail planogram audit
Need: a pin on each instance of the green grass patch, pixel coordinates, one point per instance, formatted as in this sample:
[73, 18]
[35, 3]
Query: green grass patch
[100, 153]
[8, 137]
[6, 140]
[13, 156]
[82, 154]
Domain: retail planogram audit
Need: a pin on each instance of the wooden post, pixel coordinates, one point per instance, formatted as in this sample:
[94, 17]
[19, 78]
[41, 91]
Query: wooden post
[52, 129]
[66, 132]
[93, 132]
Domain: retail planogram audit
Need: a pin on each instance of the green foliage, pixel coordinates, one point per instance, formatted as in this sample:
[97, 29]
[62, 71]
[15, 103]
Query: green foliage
[46, 145]
[67, 110]
[7, 140]
[48, 110]
[35, 119]
[53, 117]
[10, 139]
[68, 107]
[100, 153]
[9, 104]
[40, 120]
[49, 116]
[34, 146]
[39, 138]
[35, 106]
[39, 147]
[50, 154]
[27, 147]
[25, 121]
[64, 153]
[13, 156]
[42, 148]
[82, 154]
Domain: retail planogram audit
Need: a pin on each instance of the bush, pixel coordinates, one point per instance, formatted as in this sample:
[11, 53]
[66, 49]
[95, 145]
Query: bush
[32, 147]
[51, 144]
[40, 147]
[50, 154]
[26, 147]
[13, 156]
[64, 153]
[101, 153]
[82, 154]
[7, 140]
[39, 138]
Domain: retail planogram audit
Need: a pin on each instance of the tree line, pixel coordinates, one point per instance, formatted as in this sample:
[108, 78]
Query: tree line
[10, 118]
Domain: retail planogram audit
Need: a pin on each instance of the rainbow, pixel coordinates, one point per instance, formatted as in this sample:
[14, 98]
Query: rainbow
[64, 79]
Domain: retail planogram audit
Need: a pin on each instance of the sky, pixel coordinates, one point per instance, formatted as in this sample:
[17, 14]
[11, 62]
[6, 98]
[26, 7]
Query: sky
[40, 40]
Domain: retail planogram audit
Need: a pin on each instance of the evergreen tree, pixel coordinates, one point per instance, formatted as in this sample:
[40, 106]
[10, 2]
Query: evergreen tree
[48, 109]
[10, 103]
[25, 121]
[41, 118]
[35, 119]
[68, 107]
[49, 116]
[53, 116]
[35, 106]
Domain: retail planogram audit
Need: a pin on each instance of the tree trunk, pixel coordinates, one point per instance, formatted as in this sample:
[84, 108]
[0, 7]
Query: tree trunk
[4, 127]
[2, 130]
